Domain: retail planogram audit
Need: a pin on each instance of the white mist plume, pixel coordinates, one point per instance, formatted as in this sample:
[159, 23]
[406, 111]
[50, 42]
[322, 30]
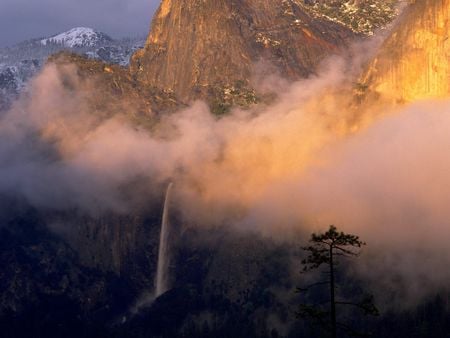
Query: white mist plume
[390, 185]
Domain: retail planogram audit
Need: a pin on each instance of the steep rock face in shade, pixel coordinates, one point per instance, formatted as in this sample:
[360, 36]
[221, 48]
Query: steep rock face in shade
[413, 63]
[198, 47]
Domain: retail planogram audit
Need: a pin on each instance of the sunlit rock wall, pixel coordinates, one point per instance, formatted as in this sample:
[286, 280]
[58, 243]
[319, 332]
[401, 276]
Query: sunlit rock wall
[195, 45]
[414, 61]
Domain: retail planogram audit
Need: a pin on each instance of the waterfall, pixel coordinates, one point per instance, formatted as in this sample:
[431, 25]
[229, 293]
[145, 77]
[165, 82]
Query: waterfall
[162, 273]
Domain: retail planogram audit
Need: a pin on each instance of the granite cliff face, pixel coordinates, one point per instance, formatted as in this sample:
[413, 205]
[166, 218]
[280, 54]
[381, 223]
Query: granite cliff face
[413, 63]
[200, 49]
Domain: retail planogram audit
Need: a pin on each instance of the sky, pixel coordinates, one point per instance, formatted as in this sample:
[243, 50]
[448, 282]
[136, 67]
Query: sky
[25, 19]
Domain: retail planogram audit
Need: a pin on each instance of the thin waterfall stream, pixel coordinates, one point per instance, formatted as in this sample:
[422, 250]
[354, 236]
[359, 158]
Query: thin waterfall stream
[162, 272]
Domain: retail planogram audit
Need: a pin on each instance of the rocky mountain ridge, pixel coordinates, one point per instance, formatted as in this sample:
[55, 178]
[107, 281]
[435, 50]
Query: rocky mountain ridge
[212, 51]
[21, 62]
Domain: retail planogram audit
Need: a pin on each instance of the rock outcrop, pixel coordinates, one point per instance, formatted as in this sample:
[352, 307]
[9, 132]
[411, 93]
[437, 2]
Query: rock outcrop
[413, 63]
[202, 49]
[112, 90]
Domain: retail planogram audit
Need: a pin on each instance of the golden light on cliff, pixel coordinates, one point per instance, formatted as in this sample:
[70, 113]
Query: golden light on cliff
[414, 61]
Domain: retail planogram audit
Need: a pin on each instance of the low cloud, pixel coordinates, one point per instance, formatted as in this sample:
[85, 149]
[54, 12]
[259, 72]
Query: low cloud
[310, 159]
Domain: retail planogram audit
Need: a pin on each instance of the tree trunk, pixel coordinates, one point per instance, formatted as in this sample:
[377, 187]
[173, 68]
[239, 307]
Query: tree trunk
[332, 297]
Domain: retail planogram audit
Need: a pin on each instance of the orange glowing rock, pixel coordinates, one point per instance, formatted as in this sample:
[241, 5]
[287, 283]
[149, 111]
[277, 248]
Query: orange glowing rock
[414, 62]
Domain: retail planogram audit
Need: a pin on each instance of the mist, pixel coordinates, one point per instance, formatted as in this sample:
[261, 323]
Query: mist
[310, 159]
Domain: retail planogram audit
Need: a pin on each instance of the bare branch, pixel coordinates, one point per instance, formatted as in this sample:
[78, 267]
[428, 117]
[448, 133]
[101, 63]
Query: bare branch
[306, 288]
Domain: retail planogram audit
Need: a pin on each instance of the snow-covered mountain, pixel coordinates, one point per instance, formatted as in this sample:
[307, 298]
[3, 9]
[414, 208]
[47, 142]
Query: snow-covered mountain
[20, 62]
[79, 37]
